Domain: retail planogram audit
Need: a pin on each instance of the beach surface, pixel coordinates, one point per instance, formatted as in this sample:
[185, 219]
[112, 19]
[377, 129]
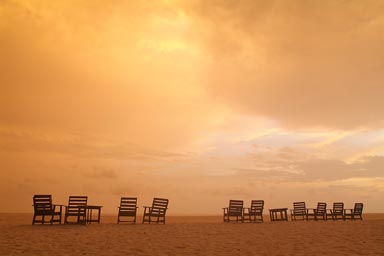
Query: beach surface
[203, 235]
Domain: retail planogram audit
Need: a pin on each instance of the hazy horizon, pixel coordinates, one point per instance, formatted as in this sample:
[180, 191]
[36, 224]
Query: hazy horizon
[196, 101]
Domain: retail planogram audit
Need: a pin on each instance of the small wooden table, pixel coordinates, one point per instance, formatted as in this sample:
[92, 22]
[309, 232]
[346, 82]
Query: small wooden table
[278, 214]
[90, 209]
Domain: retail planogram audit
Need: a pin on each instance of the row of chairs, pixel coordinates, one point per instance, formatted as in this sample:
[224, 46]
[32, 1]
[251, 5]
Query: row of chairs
[128, 209]
[254, 213]
[78, 208]
[321, 212]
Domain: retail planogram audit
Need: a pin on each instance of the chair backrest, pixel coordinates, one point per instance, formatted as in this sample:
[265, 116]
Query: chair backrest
[257, 205]
[299, 207]
[42, 203]
[235, 206]
[358, 209]
[77, 204]
[128, 204]
[321, 207]
[338, 207]
[159, 205]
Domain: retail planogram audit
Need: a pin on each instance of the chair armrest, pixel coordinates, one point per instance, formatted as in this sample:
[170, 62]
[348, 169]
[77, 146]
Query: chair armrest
[59, 205]
[145, 209]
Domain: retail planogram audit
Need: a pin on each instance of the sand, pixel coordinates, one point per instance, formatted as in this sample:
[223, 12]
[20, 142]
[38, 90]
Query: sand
[193, 236]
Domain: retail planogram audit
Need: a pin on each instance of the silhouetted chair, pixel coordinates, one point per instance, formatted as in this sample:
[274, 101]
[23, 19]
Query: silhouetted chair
[337, 212]
[320, 211]
[255, 212]
[42, 205]
[299, 210]
[357, 211]
[127, 209]
[158, 211]
[77, 207]
[235, 209]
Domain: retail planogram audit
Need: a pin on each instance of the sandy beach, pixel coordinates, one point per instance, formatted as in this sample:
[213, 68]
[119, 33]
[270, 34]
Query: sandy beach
[193, 236]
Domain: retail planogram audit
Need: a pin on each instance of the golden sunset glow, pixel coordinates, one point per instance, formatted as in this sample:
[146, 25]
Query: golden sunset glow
[195, 101]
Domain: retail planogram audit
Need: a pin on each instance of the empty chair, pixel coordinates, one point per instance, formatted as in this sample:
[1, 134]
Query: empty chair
[337, 212]
[320, 211]
[299, 210]
[255, 212]
[357, 211]
[77, 207]
[157, 211]
[235, 209]
[127, 209]
[43, 207]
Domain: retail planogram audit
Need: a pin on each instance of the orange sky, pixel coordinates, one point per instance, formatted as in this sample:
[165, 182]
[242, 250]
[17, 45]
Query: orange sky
[196, 101]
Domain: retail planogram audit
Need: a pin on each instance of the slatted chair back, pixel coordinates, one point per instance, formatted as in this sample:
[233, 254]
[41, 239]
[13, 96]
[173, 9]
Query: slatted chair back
[77, 206]
[43, 208]
[299, 208]
[127, 208]
[128, 205]
[42, 204]
[257, 206]
[358, 209]
[321, 208]
[338, 207]
[159, 206]
[157, 211]
[338, 211]
[235, 207]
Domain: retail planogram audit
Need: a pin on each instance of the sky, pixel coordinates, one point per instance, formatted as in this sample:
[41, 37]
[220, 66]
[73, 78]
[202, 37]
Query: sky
[196, 101]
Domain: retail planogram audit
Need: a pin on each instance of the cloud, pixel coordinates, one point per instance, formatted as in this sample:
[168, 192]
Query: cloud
[304, 64]
[288, 165]
[79, 146]
[92, 73]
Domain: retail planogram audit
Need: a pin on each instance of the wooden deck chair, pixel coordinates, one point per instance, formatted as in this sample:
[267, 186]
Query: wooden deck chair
[77, 207]
[357, 211]
[157, 211]
[299, 210]
[337, 212]
[127, 208]
[320, 211]
[255, 212]
[235, 209]
[43, 207]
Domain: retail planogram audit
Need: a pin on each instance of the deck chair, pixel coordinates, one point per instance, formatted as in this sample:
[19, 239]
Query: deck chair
[77, 207]
[127, 209]
[357, 211]
[43, 207]
[235, 209]
[299, 210]
[255, 212]
[320, 211]
[337, 212]
[157, 211]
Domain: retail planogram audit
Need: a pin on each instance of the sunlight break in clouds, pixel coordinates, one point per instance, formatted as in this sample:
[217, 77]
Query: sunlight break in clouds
[197, 101]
